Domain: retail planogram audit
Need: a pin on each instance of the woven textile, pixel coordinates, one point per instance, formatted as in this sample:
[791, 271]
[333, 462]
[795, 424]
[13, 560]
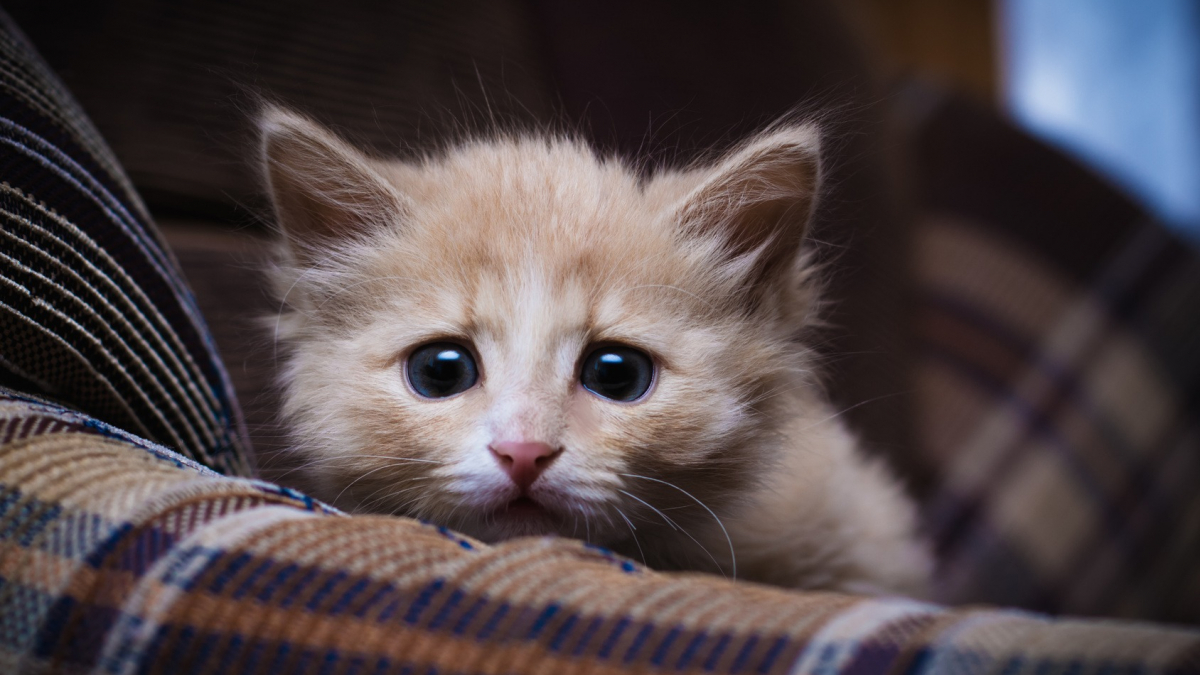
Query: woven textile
[93, 311]
[1059, 381]
[124, 557]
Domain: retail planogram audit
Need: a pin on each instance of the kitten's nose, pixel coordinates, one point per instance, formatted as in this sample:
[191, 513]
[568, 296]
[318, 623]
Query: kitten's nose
[524, 462]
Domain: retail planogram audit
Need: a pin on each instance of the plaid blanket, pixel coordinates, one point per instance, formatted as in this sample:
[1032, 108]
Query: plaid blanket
[121, 556]
[133, 540]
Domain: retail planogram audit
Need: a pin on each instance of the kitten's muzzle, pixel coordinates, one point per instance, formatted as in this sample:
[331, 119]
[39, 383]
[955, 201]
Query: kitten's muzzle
[524, 461]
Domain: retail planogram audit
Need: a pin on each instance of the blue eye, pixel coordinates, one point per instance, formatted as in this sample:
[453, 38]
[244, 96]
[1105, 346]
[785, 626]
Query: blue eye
[617, 373]
[441, 369]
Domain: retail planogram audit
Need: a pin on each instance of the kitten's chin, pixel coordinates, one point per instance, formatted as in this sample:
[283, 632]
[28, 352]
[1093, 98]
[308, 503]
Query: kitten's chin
[521, 517]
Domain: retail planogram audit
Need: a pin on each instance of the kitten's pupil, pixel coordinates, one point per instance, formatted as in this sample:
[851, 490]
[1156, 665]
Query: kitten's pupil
[441, 369]
[617, 373]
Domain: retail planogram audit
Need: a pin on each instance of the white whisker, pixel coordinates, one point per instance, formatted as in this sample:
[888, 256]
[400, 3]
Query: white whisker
[283, 304]
[368, 504]
[360, 283]
[728, 539]
[351, 483]
[633, 531]
[672, 523]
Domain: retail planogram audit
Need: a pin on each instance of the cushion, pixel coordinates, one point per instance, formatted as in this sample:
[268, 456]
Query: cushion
[93, 310]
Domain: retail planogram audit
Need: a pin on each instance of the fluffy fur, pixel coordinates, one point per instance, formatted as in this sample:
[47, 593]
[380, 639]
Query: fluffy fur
[528, 250]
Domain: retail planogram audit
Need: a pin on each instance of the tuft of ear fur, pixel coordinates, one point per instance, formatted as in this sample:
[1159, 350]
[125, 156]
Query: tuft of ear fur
[322, 189]
[758, 199]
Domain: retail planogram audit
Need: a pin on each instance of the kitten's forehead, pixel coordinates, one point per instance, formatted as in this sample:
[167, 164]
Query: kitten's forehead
[541, 230]
[526, 300]
[552, 200]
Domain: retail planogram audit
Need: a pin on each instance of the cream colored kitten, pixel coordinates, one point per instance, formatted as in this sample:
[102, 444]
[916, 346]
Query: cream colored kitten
[515, 337]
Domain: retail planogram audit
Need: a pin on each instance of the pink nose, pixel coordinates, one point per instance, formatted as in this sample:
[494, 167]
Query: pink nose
[524, 462]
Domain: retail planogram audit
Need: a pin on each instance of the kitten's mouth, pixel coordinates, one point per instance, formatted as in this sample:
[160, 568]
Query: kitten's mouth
[522, 516]
[523, 506]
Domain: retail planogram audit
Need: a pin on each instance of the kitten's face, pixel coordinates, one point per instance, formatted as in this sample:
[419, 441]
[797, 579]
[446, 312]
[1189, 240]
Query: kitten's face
[518, 339]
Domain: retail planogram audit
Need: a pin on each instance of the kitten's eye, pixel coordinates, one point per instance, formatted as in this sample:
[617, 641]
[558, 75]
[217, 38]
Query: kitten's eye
[441, 369]
[617, 373]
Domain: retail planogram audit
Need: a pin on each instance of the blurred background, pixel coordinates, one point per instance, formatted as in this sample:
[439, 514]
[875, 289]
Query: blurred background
[1113, 83]
[1005, 224]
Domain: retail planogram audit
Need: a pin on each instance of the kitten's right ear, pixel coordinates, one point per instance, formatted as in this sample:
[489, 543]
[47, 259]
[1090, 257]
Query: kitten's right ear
[759, 199]
[323, 190]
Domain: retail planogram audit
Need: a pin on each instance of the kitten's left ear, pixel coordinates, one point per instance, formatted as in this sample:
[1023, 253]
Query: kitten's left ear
[323, 190]
[759, 198]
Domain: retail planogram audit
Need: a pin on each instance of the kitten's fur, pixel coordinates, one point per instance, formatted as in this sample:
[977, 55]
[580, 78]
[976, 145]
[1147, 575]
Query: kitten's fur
[528, 249]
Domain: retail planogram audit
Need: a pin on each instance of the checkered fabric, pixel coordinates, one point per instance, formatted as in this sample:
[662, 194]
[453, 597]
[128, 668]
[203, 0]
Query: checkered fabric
[120, 556]
[1059, 382]
[93, 311]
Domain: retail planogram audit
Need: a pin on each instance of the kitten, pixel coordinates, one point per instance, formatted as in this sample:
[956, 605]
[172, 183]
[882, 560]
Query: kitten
[515, 337]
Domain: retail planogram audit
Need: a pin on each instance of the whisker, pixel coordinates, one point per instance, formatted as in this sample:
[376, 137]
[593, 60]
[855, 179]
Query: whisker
[416, 511]
[450, 517]
[395, 461]
[351, 483]
[845, 410]
[689, 536]
[283, 304]
[387, 457]
[360, 283]
[633, 531]
[728, 539]
[670, 522]
[367, 503]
